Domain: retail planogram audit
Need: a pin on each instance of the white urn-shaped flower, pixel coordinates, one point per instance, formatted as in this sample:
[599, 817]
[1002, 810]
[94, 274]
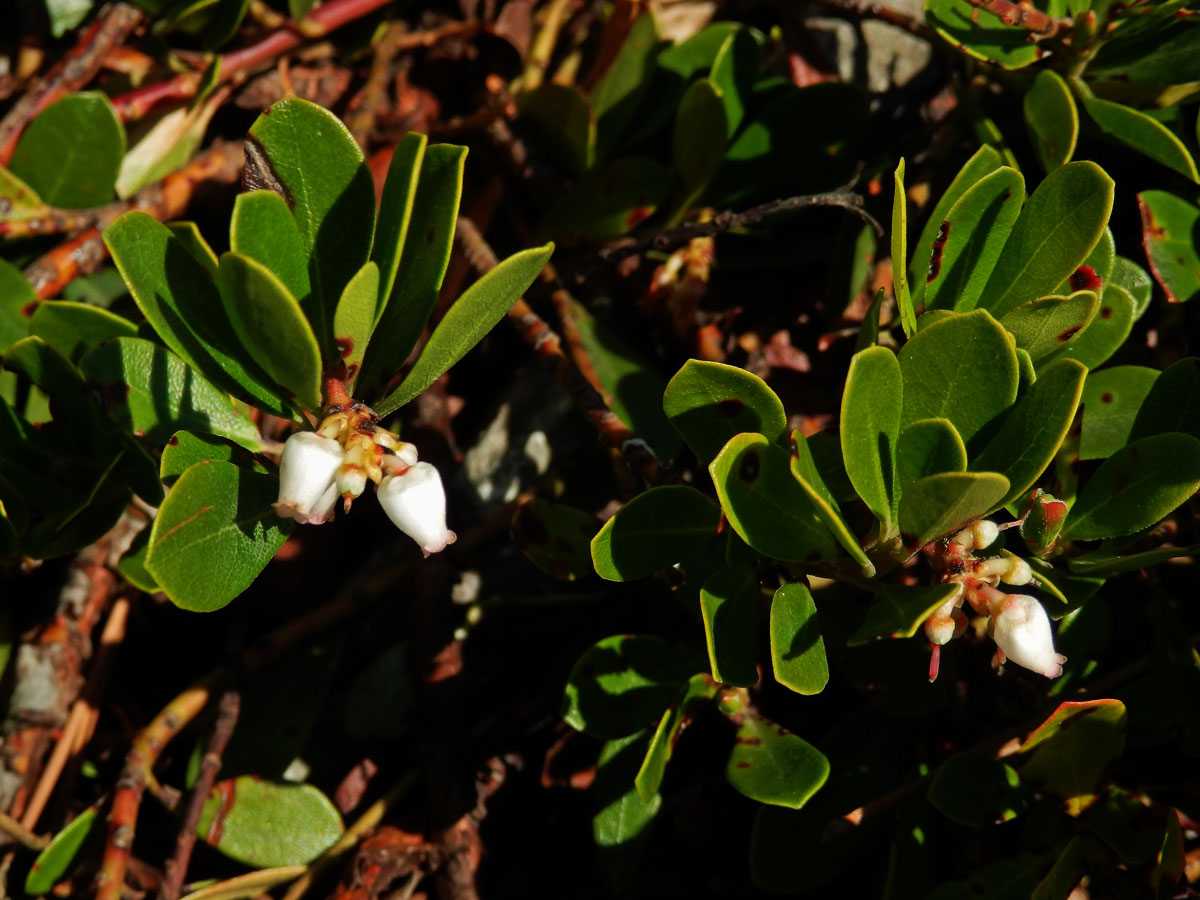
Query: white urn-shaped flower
[1021, 629]
[415, 501]
[308, 470]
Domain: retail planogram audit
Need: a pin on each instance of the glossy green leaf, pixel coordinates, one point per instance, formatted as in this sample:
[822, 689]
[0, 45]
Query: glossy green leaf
[734, 71]
[1071, 590]
[1173, 404]
[623, 683]
[697, 693]
[1111, 400]
[176, 295]
[1109, 561]
[355, 317]
[940, 504]
[263, 229]
[927, 447]
[150, 391]
[898, 611]
[564, 120]
[66, 15]
[771, 765]
[20, 200]
[629, 381]
[1069, 752]
[608, 202]
[797, 648]
[1047, 328]
[620, 828]
[1101, 261]
[971, 239]
[981, 34]
[132, 564]
[1136, 280]
[870, 428]
[71, 152]
[708, 403]
[904, 303]
[307, 155]
[74, 328]
[395, 213]
[189, 234]
[1135, 487]
[265, 824]
[962, 368]
[729, 608]
[868, 330]
[1168, 226]
[1139, 131]
[975, 789]
[1106, 332]
[421, 269]
[653, 531]
[471, 317]
[985, 160]
[618, 93]
[54, 861]
[214, 533]
[1052, 119]
[186, 448]
[698, 139]
[1054, 234]
[766, 506]
[808, 474]
[1033, 430]
[271, 326]
[556, 538]
[1151, 55]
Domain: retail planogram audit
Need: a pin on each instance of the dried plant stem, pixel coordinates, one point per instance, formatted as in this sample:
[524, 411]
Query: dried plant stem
[23, 835]
[74, 70]
[548, 345]
[177, 866]
[543, 45]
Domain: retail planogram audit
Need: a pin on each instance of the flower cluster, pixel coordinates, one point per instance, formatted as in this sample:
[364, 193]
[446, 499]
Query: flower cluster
[347, 450]
[1017, 622]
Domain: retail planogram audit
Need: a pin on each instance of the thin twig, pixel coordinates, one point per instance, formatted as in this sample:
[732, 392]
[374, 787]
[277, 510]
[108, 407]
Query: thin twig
[177, 866]
[1027, 17]
[366, 105]
[74, 70]
[27, 838]
[864, 9]
[730, 220]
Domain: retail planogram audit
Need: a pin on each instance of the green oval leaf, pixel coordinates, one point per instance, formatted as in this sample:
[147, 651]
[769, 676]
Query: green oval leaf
[729, 608]
[708, 403]
[653, 531]
[699, 690]
[395, 213]
[263, 229]
[975, 789]
[1168, 223]
[306, 154]
[1069, 752]
[1111, 400]
[808, 475]
[556, 538]
[898, 611]
[1137, 130]
[766, 506]
[1135, 487]
[74, 328]
[962, 368]
[698, 140]
[266, 824]
[1106, 332]
[1033, 430]
[771, 765]
[981, 34]
[421, 268]
[186, 448]
[564, 120]
[623, 683]
[870, 428]
[734, 71]
[797, 648]
[618, 93]
[904, 303]
[52, 863]
[1052, 119]
[1054, 234]
[940, 504]
[927, 447]
[271, 326]
[354, 319]
[177, 296]
[1048, 328]
[150, 391]
[621, 826]
[1173, 404]
[1136, 280]
[214, 533]
[71, 153]
[471, 317]
[971, 239]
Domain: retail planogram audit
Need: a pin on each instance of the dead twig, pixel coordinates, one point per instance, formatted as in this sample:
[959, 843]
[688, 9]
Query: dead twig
[73, 71]
[177, 866]
[23, 835]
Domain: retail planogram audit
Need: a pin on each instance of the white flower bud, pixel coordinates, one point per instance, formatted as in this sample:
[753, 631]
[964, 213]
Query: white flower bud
[415, 501]
[1021, 630]
[1018, 572]
[984, 533]
[307, 470]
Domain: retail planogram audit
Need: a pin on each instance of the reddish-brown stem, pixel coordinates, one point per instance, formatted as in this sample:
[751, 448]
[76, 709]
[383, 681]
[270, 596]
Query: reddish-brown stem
[335, 393]
[177, 866]
[73, 71]
[166, 199]
[137, 103]
[1027, 17]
